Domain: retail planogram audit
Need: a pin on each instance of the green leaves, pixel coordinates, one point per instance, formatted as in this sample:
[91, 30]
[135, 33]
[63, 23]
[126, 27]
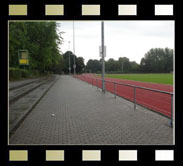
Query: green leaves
[158, 60]
[40, 39]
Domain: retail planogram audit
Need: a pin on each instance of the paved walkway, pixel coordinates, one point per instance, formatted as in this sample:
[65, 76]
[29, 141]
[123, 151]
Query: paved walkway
[84, 115]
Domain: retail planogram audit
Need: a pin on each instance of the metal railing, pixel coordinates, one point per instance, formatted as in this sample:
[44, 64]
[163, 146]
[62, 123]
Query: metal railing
[91, 80]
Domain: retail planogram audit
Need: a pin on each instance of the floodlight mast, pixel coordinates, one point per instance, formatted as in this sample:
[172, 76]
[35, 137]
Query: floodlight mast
[122, 66]
[74, 66]
[69, 60]
[103, 62]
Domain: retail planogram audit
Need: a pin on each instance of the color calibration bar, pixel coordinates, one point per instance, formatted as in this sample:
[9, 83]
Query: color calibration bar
[91, 155]
[90, 10]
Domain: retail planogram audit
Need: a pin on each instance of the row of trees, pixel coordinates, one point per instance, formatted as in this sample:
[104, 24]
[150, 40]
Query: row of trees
[157, 60]
[42, 41]
[112, 66]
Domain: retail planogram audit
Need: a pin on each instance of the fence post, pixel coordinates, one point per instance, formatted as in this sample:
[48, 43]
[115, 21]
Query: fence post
[134, 98]
[115, 90]
[171, 121]
[97, 83]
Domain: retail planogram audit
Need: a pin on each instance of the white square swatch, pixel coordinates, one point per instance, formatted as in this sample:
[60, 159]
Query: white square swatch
[164, 155]
[163, 10]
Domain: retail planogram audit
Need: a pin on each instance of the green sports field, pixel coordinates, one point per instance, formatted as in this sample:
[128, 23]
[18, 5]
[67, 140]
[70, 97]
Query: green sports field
[155, 78]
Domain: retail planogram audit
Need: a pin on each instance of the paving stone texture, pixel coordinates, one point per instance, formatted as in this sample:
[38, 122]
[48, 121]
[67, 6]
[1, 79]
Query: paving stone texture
[75, 113]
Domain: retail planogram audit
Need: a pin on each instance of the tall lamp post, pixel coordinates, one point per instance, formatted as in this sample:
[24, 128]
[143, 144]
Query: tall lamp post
[122, 66]
[69, 60]
[74, 66]
[103, 54]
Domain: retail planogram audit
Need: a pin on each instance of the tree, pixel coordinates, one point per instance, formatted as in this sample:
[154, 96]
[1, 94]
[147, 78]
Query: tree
[66, 56]
[111, 65]
[157, 60]
[80, 65]
[134, 67]
[79, 61]
[40, 39]
[89, 66]
[94, 66]
[60, 66]
[17, 40]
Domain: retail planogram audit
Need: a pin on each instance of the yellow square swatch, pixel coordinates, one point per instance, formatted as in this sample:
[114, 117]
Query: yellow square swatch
[54, 9]
[90, 10]
[17, 10]
[55, 155]
[18, 155]
[91, 155]
[127, 10]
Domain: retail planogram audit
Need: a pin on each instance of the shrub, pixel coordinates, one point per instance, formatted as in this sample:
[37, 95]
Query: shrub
[35, 73]
[16, 73]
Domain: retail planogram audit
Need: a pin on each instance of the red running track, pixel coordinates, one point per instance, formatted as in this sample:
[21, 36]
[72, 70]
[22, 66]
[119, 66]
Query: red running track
[156, 101]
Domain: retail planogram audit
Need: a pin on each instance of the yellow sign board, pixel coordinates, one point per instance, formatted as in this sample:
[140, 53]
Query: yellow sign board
[24, 61]
[23, 57]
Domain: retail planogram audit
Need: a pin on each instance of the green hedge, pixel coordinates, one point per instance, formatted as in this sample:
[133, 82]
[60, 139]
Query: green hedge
[35, 73]
[16, 73]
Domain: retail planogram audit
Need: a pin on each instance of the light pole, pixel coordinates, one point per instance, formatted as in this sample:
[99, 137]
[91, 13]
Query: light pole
[122, 66]
[103, 62]
[74, 66]
[69, 60]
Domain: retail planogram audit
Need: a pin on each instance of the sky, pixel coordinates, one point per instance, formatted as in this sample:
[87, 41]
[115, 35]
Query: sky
[131, 39]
